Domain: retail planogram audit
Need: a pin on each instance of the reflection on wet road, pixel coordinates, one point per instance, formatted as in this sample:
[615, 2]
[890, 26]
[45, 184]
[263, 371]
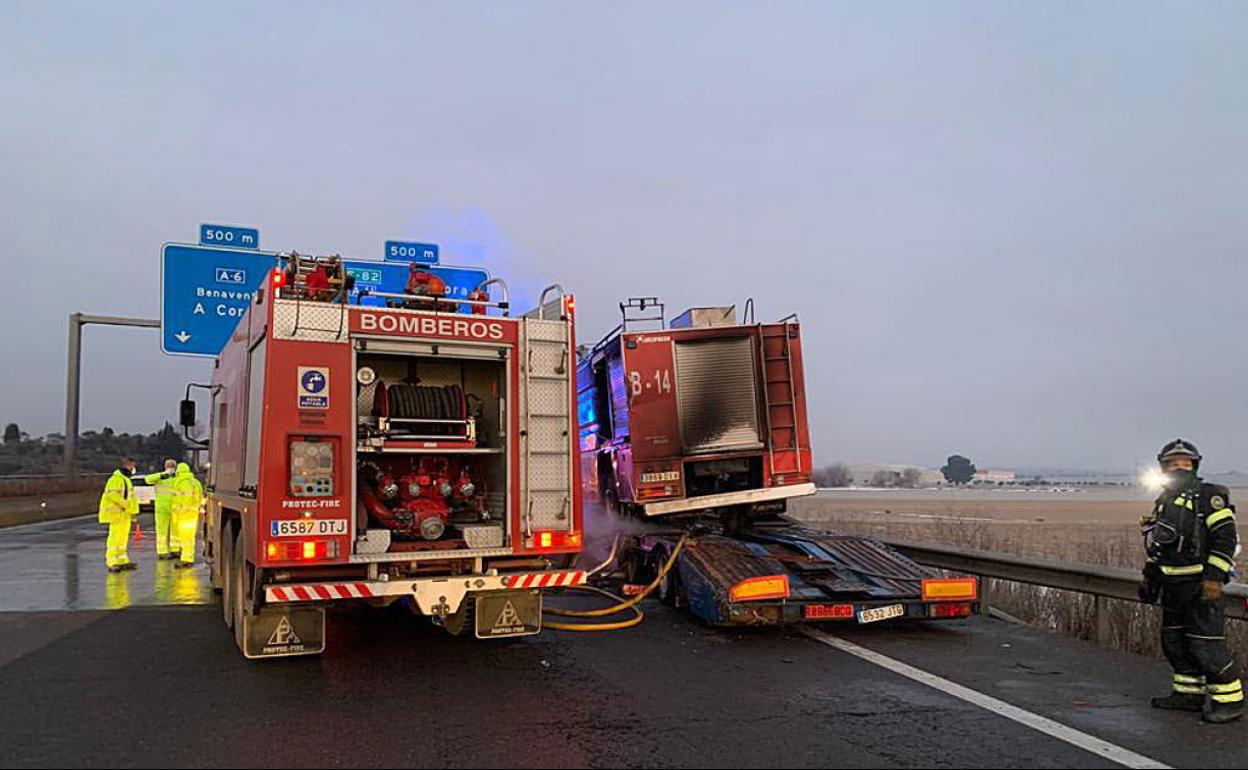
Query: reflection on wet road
[60, 566]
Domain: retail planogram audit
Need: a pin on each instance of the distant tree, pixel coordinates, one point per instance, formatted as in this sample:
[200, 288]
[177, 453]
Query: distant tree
[165, 443]
[12, 433]
[885, 478]
[835, 475]
[911, 477]
[958, 470]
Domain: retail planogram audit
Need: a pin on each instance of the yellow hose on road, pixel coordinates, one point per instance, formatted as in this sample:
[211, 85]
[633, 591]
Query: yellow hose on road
[623, 604]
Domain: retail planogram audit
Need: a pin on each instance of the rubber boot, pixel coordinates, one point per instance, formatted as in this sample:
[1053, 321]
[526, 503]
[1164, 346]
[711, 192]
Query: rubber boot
[1221, 713]
[1177, 701]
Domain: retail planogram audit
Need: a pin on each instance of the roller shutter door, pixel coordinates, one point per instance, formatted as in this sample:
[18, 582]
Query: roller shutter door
[717, 393]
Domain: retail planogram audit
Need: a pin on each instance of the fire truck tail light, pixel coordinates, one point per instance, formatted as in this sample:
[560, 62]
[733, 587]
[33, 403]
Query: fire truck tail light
[950, 589]
[547, 538]
[300, 550]
[279, 278]
[569, 305]
[765, 587]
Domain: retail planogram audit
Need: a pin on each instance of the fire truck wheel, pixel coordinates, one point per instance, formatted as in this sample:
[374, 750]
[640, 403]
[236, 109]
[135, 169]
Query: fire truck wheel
[456, 621]
[238, 582]
[227, 588]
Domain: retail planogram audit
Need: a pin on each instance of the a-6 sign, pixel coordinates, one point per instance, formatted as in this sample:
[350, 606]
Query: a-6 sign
[204, 292]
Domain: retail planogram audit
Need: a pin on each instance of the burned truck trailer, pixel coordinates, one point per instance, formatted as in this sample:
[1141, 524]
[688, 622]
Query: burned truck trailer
[699, 427]
[421, 451]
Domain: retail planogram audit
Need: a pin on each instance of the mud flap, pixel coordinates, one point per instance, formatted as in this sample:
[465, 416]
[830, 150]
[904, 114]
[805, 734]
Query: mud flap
[282, 633]
[508, 613]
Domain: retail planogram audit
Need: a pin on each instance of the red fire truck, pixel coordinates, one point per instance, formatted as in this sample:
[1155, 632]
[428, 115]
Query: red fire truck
[702, 413]
[700, 426]
[418, 449]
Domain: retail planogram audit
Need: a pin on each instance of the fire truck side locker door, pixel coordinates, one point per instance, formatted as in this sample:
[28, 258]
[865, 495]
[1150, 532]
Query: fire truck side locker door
[546, 424]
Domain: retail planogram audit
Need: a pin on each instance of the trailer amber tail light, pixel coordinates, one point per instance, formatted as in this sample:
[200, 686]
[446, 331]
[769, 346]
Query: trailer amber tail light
[765, 587]
[300, 550]
[952, 610]
[549, 538]
[950, 589]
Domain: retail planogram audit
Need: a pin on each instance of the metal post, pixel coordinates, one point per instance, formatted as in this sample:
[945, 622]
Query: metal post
[1104, 629]
[73, 376]
[73, 368]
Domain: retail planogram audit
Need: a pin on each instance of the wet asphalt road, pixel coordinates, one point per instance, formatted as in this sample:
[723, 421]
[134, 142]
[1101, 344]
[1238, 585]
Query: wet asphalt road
[94, 672]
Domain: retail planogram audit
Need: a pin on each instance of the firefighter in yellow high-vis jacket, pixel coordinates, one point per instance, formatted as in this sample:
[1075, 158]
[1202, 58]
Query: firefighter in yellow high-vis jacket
[118, 507]
[188, 495]
[166, 540]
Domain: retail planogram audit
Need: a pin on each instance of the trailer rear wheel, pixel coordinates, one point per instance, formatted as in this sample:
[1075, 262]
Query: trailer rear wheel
[669, 584]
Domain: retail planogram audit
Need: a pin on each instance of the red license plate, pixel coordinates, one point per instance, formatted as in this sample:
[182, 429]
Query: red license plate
[828, 611]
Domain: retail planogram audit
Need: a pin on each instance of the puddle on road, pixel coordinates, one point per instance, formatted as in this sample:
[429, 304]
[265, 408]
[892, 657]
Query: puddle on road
[60, 566]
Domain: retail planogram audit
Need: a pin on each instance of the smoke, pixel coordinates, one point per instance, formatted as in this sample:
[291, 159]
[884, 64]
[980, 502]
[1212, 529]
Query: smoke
[602, 527]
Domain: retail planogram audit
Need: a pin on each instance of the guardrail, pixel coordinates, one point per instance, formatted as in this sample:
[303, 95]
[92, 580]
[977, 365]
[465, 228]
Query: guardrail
[32, 484]
[1101, 582]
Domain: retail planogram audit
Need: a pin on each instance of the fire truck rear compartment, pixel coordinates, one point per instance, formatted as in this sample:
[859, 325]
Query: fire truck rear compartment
[431, 465]
[713, 477]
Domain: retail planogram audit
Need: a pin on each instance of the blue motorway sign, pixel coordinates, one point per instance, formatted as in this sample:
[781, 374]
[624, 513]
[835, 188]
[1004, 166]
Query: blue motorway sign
[391, 277]
[421, 253]
[229, 237]
[204, 291]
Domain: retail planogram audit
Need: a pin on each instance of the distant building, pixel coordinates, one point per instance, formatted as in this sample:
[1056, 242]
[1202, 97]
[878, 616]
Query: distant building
[993, 477]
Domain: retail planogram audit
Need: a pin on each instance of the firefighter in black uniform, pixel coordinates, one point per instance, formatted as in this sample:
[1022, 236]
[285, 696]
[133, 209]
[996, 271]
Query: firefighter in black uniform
[1191, 540]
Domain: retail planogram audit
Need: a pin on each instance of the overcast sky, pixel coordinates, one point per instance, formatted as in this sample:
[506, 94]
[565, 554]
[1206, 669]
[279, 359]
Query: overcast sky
[1011, 230]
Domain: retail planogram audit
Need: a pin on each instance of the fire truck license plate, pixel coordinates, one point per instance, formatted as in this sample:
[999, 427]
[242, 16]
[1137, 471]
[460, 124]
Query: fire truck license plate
[304, 527]
[881, 613]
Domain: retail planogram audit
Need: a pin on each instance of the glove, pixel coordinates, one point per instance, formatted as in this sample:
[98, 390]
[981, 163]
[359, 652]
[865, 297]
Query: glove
[1210, 591]
[1150, 589]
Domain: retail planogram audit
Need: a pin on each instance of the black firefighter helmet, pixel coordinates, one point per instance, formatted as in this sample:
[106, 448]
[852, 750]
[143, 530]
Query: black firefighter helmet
[1180, 448]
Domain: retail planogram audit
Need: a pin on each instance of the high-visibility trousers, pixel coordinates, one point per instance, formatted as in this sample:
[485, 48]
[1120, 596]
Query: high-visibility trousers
[166, 537]
[115, 554]
[184, 525]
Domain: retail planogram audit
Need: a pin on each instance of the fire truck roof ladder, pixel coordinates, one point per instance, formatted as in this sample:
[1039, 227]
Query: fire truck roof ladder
[781, 414]
[641, 310]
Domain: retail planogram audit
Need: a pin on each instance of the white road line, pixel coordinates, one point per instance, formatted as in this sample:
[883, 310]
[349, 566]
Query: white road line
[1091, 743]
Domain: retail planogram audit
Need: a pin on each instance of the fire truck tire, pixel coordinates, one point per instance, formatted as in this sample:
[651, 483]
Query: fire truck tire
[238, 579]
[213, 559]
[457, 621]
[225, 560]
